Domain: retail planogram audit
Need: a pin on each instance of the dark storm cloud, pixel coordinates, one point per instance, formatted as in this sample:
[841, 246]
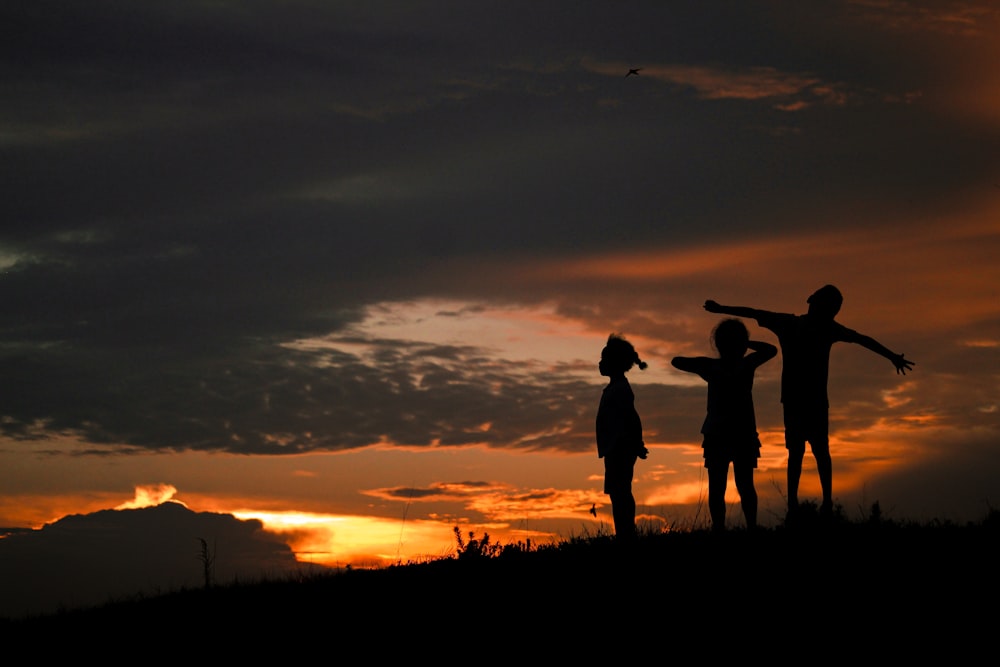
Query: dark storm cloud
[88, 560]
[268, 402]
[191, 185]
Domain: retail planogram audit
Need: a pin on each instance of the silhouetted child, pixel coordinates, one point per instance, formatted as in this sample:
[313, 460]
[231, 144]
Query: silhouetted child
[619, 432]
[730, 428]
[805, 342]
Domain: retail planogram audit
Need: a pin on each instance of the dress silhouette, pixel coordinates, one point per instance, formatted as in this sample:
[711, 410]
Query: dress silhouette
[805, 342]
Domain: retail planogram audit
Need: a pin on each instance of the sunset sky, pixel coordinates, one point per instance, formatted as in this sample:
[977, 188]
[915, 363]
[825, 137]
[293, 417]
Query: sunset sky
[347, 267]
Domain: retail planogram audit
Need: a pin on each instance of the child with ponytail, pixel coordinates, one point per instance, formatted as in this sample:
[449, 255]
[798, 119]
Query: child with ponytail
[619, 433]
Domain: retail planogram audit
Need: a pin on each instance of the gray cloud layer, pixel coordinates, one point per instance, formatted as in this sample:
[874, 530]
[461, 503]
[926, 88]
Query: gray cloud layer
[82, 561]
[189, 186]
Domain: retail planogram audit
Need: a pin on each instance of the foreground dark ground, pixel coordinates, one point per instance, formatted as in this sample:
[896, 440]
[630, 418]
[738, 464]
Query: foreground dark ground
[823, 589]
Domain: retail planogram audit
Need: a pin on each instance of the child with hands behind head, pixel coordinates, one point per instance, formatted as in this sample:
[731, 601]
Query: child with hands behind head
[730, 427]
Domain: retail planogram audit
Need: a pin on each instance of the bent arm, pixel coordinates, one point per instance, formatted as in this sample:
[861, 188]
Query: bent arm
[763, 351]
[902, 365]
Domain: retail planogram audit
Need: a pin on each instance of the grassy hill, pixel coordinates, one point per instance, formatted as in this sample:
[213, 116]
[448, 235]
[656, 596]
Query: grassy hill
[828, 587]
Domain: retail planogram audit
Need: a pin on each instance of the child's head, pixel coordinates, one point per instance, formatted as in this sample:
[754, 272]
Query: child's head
[730, 338]
[825, 301]
[618, 356]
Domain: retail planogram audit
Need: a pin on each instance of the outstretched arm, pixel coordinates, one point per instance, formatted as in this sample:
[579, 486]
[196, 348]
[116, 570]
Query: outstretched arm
[902, 365]
[735, 311]
[696, 365]
[686, 364]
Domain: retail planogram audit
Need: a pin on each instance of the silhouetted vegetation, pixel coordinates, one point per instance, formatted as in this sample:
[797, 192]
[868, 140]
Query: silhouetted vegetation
[207, 558]
[820, 569]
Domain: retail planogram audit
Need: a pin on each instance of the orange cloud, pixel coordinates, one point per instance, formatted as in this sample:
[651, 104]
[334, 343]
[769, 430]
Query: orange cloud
[149, 495]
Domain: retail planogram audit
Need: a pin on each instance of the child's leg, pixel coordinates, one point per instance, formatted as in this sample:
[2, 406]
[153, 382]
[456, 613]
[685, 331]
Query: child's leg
[623, 511]
[743, 475]
[824, 466]
[718, 478]
[796, 452]
[618, 473]
[795, 418]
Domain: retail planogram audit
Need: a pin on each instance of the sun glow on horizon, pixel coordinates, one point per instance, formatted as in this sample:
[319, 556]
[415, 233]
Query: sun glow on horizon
[359, 541]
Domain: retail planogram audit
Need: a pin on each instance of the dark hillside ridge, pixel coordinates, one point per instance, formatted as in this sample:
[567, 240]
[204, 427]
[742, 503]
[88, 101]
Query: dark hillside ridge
[868, 582]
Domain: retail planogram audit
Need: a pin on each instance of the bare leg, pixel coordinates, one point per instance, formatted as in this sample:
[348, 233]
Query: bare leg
[748, 494]
[623, 511]
[795, 455]
[824, 466]
[718, 478]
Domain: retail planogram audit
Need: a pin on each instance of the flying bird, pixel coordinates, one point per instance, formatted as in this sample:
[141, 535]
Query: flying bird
[633, 71]
[593, 509]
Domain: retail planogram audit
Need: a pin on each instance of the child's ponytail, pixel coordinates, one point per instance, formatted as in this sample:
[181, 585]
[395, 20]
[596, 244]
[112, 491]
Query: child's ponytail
[625, 352]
